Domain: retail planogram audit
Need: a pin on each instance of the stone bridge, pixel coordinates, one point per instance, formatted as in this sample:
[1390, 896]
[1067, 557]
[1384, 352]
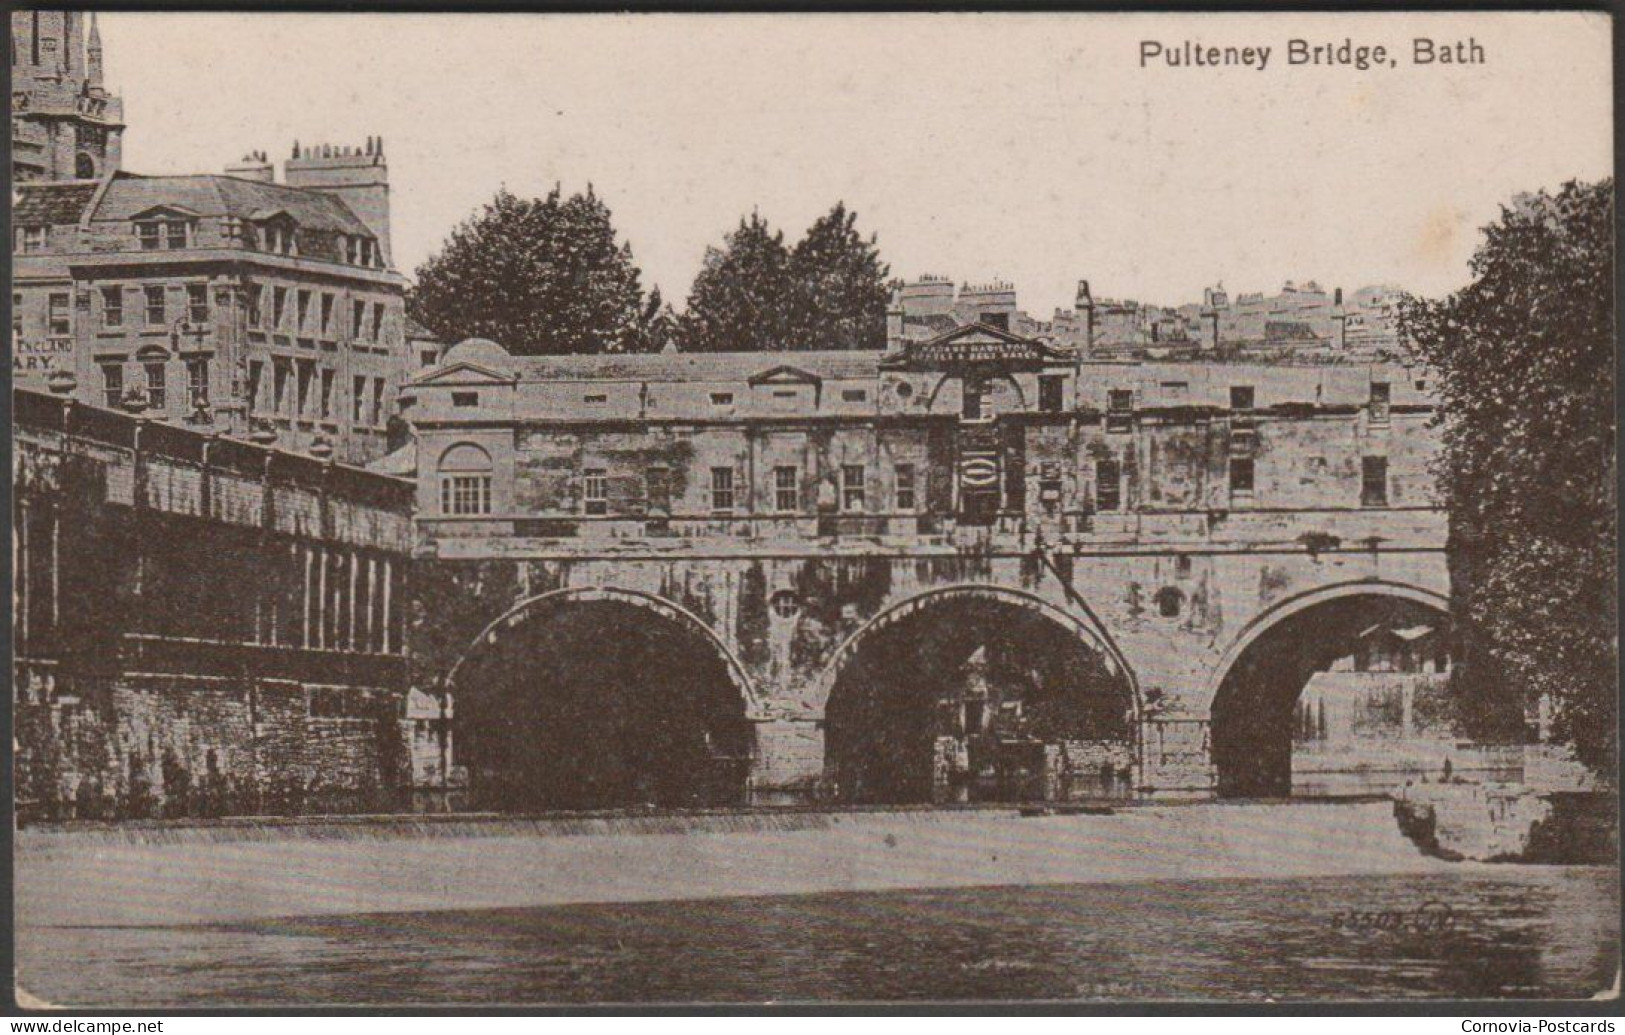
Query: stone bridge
[1210, 624]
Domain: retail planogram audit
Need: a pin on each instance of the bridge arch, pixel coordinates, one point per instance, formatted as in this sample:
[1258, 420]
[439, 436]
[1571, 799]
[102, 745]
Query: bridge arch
[595, 697]
[1254, 689]
[978, 692]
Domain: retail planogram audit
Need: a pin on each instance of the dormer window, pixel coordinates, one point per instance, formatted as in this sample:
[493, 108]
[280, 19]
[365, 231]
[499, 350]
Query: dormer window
[277, 238]
[31, 239]
[159, 233]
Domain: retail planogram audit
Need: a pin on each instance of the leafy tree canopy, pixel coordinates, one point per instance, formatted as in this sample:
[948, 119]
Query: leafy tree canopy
[755, 294]
[541, 276]
[1524, 361]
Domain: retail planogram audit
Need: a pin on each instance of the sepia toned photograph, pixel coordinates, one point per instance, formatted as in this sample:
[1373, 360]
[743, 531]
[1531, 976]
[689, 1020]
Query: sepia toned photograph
[536, 510]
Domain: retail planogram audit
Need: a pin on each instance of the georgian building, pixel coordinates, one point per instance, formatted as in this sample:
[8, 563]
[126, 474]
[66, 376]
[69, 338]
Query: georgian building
[228, 303]
[973, 566]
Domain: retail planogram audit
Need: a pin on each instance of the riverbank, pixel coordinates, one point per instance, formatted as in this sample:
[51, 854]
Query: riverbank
[157, 874]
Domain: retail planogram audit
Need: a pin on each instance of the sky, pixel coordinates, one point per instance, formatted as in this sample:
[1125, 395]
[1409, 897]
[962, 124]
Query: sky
[1032, 148]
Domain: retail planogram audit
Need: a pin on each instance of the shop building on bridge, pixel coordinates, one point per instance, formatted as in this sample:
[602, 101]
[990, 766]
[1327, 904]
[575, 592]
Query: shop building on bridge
[979, 564]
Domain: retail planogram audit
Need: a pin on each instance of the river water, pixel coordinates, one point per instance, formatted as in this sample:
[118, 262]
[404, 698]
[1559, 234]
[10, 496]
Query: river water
[1478, 932]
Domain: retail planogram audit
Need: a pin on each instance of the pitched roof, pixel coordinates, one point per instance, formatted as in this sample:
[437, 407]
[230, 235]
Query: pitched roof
[130, 195]
[52, 204]
[836, 365]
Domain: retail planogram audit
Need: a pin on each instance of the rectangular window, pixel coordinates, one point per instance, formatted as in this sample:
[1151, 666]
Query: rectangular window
[465, 400]
[112, 306]
[1374, 481]
[256, 371]
[279, 307]
[16, 317]
[175, 233]
[852, 487]
[1119, 409]
[113, 385]
[61, 317]
[327, 314]
[786, 490]
[256, 306]
[971, 401]
[465, 494]
[657, 488]
[1241, 397]
[197, 382]
[905, 487]
[1051, 393]
[358, 400]
[157, 386]
[358, 321]
[378, 322]
[722, 488]
[597, 399]
[303, 311]
[307, 374]
[1241, 475]
[377, 402]
[722, 398]
[33, 238]
[197, 303]
[855, 395]
[1381, 396]
[279, 386]
[151, 236]
[327, 395]
[594, 491]
[1108, 485]
[154, 294]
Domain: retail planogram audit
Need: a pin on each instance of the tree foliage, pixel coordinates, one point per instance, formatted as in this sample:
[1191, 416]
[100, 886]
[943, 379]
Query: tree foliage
[741, 297]
[840, 286]
[1524, 360]
[755, 294]
[541, 276]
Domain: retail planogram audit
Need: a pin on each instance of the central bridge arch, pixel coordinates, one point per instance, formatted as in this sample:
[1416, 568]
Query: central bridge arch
[978, 693]
[601, 697]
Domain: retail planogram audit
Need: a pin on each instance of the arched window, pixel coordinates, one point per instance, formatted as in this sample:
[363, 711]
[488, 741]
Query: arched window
[84, 166]
[465, 480]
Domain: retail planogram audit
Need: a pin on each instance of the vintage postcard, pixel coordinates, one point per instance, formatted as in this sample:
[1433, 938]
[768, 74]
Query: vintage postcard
[522, 510]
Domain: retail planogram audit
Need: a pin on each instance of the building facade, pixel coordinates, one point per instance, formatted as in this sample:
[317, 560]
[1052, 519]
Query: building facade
[974, 566]
[228, 303]
[202, 626]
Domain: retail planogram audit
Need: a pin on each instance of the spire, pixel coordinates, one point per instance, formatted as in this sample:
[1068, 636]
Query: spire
[93, 49]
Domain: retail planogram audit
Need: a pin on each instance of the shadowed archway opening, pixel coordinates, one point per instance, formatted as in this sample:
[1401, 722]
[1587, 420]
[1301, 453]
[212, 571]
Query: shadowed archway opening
[970, 697]
[600, 703]
[1256, 713]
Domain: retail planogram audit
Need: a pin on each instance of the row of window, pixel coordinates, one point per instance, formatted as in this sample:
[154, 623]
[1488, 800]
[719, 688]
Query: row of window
[155, 383]
[301, 390]
[465, 489]
[313, 313]
[367, 319]
[175, 233]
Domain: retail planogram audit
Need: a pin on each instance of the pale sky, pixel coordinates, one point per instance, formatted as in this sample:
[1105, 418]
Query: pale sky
[1032, 148]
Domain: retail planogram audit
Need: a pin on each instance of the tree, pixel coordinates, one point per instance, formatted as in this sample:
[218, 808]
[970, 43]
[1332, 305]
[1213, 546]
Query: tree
[541, 276]
[754, 294]
[741, 299]
[840, 285]
[1524, 360]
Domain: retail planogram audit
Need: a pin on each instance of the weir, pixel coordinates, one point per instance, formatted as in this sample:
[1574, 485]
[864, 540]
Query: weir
[204, 873]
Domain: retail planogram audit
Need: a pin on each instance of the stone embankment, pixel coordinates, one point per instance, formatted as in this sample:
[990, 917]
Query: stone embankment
[1510, 822]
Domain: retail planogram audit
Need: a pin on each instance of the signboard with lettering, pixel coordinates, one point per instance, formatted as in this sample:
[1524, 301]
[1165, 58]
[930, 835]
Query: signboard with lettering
[32, 360]
[977, 350]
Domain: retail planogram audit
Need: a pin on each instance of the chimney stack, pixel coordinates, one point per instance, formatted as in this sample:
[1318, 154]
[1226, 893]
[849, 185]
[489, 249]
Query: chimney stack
[359, 178]
[1084, 306]
[894, 320]
[1340, 322]
[1210, 319]
[254, 166]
